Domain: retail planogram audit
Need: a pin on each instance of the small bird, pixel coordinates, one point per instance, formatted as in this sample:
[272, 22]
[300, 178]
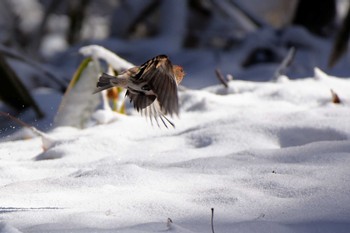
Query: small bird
[151, 87]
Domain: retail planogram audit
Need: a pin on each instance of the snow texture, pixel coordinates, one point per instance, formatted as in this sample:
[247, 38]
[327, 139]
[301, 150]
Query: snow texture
[269, 157]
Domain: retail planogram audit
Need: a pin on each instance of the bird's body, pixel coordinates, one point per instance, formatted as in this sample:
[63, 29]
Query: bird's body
[152, 87]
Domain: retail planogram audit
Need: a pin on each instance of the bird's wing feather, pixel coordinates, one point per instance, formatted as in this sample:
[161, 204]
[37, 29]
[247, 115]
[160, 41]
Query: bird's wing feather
[160, 98]
[148, 107]
[140, 100]
[161, 79]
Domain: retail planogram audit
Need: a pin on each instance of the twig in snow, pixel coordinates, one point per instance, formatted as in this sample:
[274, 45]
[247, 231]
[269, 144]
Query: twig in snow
[285, 63]
[262, 215]
[212, 220]
[47, 142]
[221, 77]
[18, 121]
[335, 98]
[169, 222]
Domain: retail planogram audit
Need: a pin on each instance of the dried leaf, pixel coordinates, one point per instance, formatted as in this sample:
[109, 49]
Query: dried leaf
[335, 98]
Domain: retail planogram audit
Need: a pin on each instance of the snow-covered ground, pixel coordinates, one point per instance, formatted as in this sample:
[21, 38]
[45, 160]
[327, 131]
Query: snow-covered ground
[268, 157]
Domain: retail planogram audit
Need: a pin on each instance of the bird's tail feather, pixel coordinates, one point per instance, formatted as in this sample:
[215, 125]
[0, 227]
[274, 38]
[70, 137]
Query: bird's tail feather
[104, 82]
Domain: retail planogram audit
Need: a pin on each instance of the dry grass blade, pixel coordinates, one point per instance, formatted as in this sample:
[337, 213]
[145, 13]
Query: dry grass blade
[221, 78]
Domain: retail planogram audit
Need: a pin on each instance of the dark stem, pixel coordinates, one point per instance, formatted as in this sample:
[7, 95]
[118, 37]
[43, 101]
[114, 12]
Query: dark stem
[221, 77]
[212, 220]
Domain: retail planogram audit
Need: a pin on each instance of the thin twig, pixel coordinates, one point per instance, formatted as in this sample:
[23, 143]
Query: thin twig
[22, 123]
[287, 61]
[221, 77]
[212, 220]
[47, 141]
[169, 222]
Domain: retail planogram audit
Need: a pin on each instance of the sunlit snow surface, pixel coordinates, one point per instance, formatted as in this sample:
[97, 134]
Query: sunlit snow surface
[268, 157]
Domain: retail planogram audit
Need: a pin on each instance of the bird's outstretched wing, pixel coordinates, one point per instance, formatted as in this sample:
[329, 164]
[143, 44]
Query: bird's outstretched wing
[159, 77]
[140, 100]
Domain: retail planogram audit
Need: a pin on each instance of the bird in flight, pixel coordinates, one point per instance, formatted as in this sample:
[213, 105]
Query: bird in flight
[151, 87]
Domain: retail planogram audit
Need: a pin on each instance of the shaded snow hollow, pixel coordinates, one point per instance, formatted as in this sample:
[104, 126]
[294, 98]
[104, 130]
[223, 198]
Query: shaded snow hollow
[269, 157]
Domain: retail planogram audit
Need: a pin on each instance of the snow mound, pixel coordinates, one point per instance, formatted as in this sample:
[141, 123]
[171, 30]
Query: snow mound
[5, 228]
[269, 157]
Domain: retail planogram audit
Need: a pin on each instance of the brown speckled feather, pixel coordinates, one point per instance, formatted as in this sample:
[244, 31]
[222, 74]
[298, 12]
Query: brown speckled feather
[140, 100]
[151, 87]
[159, 75]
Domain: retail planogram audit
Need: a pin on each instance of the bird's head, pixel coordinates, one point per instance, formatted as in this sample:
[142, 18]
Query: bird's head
[179, 73]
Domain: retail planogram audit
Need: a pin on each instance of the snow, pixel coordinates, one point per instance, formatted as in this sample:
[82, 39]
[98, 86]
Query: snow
[99, 52]
[267, 156]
